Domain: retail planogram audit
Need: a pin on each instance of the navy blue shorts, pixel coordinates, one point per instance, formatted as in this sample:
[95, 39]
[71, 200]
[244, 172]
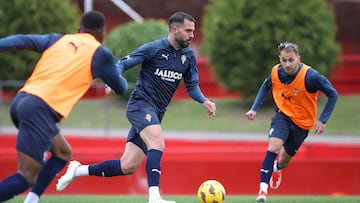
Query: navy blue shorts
[141, 114]
[292, 135]
[36, 122]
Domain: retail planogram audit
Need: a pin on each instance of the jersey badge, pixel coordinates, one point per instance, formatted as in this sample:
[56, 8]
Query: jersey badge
[295, 91]
[183, 59]
[148, 117]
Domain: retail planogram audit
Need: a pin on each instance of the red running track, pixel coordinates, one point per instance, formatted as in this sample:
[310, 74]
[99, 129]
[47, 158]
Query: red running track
[318, 168]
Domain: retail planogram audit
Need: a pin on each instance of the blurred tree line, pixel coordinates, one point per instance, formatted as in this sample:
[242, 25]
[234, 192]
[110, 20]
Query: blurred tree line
[240, 38]
[32, 17]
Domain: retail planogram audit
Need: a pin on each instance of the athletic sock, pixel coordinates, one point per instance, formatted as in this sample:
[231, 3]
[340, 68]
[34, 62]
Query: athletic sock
[51, 167]
[264, 187]
[11, 186]
[153, 171]
[82, 170]
[267, 167]
[31, 198]
[154, 193]
[107, 168]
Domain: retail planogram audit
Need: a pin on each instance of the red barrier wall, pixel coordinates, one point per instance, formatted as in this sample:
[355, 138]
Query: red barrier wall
[346, 76]
[319, 168]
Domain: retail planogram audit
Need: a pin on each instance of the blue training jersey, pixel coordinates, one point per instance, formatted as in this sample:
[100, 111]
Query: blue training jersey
[162, 69]
[102, 65]
[314, 81]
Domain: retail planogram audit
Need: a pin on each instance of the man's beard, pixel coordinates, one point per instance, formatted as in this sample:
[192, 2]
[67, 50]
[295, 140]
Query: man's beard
[183, 43]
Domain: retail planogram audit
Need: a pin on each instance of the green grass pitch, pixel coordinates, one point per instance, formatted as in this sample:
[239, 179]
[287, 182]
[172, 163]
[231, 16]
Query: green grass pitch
[187, 199]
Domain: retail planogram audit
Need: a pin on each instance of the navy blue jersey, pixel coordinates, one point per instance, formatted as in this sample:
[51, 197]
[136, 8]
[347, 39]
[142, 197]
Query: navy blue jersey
[102, 66]
[162, 69]
[314, 81]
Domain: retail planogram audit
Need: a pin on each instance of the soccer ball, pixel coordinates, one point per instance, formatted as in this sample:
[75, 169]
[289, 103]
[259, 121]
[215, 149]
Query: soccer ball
[211, 191]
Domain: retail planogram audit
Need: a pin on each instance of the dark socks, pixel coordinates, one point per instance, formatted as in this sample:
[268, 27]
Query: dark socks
[153, 169]
[107, 168]
[11, 186]
[47, 174]
[267, 167]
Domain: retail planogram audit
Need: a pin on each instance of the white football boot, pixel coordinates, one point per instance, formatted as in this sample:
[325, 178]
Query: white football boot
[68, 177]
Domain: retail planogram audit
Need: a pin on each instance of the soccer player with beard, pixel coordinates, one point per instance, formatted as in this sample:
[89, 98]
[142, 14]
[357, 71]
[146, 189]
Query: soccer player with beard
[164, 63]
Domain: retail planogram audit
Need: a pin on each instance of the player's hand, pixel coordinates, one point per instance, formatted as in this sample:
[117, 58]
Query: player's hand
[108, 90]
[250, 115]
[211, 107]
[319, 127]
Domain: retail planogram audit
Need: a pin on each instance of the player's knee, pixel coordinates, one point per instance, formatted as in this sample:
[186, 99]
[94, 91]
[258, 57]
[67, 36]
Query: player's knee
[129, 167]
[63, 153]
[61, 148]
[29, 176]
[275, 145]
[158, 146]
[67, 154]
[274, 149]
